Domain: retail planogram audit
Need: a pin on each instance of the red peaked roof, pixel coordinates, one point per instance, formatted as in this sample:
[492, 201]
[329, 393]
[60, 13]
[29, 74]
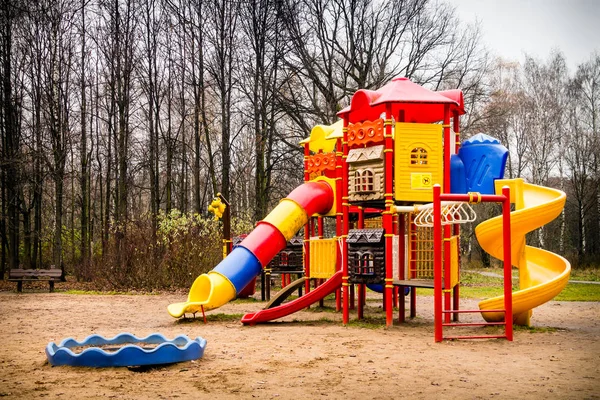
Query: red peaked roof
[418, 103]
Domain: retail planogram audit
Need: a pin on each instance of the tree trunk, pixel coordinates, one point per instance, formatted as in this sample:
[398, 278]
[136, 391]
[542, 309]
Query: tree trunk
[11, 140]
[83, 154]
[58, 217]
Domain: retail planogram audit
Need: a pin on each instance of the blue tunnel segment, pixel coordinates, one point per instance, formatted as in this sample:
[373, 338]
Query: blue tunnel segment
[240, 267]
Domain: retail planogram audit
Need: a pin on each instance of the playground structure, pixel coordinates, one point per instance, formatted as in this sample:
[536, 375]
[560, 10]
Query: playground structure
[389, 156]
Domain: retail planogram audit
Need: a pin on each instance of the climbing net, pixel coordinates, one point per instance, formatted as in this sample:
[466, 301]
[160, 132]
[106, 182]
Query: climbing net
[452, 213]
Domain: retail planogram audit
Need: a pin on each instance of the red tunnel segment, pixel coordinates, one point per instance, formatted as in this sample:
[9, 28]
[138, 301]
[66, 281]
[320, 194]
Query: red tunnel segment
[269, 236]
[314, 197]
[265, 241]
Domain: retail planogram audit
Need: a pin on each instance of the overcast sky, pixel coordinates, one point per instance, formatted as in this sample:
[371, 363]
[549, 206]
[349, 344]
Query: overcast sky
[512, 28]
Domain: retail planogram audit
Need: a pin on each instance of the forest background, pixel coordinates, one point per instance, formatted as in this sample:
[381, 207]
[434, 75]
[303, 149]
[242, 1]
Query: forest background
[121, 119]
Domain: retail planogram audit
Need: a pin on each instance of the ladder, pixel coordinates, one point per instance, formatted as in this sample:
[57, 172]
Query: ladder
[443, 312]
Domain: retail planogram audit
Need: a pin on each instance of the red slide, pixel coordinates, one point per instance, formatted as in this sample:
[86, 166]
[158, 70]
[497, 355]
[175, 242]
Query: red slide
[330, 286]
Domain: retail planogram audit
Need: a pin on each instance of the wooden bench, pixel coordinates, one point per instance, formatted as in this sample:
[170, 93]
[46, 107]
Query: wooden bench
[19, 275]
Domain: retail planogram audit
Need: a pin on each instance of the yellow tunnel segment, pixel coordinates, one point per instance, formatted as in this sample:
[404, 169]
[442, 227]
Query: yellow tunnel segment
[288, 217]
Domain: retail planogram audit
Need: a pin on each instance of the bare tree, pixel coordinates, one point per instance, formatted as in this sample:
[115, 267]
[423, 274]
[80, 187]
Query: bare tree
[57, 90]
[153, 29]
[120, 36]
[10, 140]
[221, 68]
[581, 154]
[83, 153]
[259, 82]
[193, 17]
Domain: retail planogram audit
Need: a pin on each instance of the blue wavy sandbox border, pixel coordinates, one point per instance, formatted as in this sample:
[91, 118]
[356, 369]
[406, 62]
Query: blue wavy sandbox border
[181, 348]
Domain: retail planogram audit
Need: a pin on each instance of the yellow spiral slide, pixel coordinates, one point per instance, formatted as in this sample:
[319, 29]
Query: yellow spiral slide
[542, 274]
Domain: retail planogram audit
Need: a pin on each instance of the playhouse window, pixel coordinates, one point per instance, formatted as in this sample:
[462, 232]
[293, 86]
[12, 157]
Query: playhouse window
[293, 260]
[364, 263]
[367, 263]
[418, 156]
[364, 181]
[283, 259]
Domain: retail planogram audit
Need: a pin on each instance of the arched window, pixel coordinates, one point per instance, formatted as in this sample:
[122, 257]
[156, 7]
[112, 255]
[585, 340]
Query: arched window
[364, 181]
[418, 156]
[367, 263]
[367, 180]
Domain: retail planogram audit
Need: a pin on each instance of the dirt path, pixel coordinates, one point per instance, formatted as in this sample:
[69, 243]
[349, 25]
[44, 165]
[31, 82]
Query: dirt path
[291, 359]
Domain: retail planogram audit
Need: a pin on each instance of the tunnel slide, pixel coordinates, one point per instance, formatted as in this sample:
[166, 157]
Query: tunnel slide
[244, 263]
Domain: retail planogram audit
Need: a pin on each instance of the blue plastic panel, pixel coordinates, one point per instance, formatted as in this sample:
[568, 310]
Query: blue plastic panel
[458, 180]
[484, 160]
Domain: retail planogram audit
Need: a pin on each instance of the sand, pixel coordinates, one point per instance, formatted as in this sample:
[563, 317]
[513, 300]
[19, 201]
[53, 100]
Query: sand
[298, 357]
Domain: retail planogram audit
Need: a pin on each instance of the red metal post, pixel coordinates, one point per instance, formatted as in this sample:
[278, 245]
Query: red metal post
[388, 214]
[395, 289]
[338, 216]
[320, 227]
[402, 265]
[361, 287]
[456, 229]
[447, 152]
[413, 264]
[437, 263]
[506, 232]
[447, 228]
[361, 218]
[345, 227]
[307, 227]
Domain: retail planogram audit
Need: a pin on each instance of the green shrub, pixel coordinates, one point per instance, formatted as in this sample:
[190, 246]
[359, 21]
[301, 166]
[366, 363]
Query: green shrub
[183, 247]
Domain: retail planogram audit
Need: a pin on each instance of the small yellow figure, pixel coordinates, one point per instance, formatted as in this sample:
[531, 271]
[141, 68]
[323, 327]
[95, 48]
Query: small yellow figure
[217, 207]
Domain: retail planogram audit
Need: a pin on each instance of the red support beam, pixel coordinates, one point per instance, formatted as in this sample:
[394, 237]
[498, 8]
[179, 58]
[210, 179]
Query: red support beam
[456, 227]
[338, 216]
[447, 229]
[388, 214]
[402, 265]
[307, 227]
[506, 232]
[345, 227]
[437, 264]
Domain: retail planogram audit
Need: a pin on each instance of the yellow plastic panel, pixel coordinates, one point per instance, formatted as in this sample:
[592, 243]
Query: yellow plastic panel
[322, 258]
[323, 137]
[288, 217]
[421, 181]
[418, 161]
[453, 261]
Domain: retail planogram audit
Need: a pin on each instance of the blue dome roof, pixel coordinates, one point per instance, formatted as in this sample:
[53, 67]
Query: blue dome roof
[481, 138]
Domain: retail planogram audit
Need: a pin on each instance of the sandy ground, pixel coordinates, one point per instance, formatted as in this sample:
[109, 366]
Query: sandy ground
[300, 357]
